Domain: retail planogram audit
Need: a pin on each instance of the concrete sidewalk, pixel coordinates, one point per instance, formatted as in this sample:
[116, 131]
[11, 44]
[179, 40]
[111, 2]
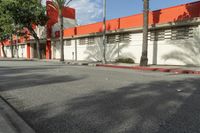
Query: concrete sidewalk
[160, 68]
[10, 121]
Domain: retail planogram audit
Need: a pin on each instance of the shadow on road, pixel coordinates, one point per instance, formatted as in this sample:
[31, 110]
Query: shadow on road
[157, 107]
[12, 78]
[10, 70]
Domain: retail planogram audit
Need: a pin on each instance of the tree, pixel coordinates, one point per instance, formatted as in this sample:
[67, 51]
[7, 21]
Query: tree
[7, 27]
[3, 37]
[29, 13]
[144, 57]
[2, 33]
[60, 4]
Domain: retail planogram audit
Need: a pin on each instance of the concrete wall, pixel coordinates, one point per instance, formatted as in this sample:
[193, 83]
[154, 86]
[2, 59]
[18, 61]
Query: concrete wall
[7, 51]
[69, 50]
[19, 51]
[22, 51]
[166, 51]
[180, 52]
[56, 50]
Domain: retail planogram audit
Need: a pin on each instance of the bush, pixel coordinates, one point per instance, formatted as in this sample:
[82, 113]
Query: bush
[125, 60]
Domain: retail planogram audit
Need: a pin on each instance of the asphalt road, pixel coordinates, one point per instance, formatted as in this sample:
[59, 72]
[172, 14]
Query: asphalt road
[55, 98]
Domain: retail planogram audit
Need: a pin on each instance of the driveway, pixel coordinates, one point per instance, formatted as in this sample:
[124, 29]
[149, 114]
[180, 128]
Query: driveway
[56, 98]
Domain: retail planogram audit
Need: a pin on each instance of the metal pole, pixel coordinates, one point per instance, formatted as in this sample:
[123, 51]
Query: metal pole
[104, 31]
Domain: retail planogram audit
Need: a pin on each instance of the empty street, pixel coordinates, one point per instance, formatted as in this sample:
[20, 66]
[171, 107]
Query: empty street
[59, 98]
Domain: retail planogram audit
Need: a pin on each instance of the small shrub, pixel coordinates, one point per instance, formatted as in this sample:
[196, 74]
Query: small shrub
[125, 60]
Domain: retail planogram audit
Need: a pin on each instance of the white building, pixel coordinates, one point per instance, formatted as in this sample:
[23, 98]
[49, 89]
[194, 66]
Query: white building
[174, 38]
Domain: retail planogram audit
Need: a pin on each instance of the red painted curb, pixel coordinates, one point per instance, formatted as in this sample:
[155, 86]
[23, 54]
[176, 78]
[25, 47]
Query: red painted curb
[145, 68]
[196, 72]
[188, 71]
[177, 71]
[163, 70]
[180, 71]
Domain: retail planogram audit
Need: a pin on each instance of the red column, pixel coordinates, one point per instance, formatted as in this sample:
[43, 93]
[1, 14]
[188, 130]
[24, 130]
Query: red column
[48, 49]
[28, 50]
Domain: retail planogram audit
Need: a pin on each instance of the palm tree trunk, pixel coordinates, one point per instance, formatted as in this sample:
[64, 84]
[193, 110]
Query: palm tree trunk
[144, 57]
[104, 61]
[61, 36]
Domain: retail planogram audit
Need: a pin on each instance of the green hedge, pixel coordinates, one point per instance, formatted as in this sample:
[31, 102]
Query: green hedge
[125, 60]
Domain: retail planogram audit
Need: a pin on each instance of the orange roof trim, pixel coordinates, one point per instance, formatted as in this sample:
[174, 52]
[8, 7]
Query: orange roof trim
[166, 15]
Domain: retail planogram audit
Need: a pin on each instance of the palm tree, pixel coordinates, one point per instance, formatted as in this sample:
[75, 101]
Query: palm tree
[104, 32]
[144, 58]
[60, 4]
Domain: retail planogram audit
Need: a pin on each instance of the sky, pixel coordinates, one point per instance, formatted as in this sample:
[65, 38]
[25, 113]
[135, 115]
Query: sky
[90, 11]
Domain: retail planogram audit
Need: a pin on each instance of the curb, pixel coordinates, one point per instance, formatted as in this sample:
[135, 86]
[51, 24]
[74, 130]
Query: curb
[51, 61]
[12, 120]
[15, 59]
[170, 70]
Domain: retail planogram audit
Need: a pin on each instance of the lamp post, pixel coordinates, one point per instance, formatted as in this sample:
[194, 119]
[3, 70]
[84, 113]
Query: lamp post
[104, 32]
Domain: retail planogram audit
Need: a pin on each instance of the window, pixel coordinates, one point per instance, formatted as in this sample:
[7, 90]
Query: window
[157, 35]
[67, 42]
[91, 40]
[124, 37]
[182, 33]
[111, 38]
[173, 33]
[168, 33]
[83, 41]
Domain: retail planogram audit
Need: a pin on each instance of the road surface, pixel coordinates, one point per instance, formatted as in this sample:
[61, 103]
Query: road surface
[57, 98]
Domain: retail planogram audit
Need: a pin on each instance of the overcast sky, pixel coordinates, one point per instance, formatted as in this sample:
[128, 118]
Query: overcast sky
[89, 11]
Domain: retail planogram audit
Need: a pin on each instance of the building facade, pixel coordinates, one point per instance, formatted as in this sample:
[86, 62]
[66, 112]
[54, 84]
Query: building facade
[174, 38]
[25, 47]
